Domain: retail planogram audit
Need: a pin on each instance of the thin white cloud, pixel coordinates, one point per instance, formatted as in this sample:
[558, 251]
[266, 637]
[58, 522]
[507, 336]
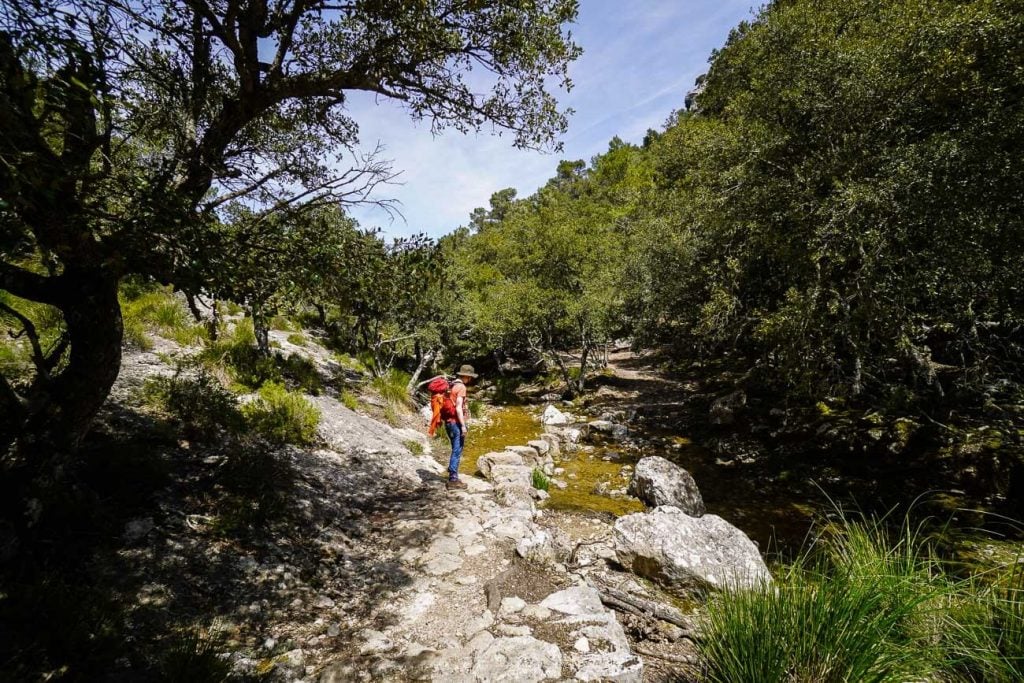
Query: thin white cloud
[640, 59]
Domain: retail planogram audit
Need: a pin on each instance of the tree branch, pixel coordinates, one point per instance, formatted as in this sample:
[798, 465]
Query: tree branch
[28, 285]
[29, 330]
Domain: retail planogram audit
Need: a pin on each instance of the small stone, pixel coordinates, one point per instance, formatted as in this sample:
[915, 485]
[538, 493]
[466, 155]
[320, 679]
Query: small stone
[581, 645]
[512, 630]
[511, 605]
[536, 612]
[324, 602]
[333, 631]
[269, 643]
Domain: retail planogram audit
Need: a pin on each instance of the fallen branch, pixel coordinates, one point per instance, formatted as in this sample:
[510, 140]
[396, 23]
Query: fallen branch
[643, 607]
[675, 659]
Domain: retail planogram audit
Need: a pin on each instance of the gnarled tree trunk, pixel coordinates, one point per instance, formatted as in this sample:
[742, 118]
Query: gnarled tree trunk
[58, 410]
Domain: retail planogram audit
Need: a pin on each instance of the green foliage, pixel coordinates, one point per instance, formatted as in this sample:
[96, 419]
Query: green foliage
[157, 311]
[857, 609]
[844, 205]
[349, 400]
[476, 408]
[393, 387]
[415, 447]
[236, 352]
[259, 485]
[192, 656]
[15, 347]
[298, 339]
[543, 273]
[199, 402]
[985, 629]
[539, 480]
[281, 416]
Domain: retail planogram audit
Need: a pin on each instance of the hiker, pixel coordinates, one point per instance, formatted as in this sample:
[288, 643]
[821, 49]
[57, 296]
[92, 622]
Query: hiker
[448, 404]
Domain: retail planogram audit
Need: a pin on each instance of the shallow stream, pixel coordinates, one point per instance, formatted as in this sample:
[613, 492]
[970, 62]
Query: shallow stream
[776, 509]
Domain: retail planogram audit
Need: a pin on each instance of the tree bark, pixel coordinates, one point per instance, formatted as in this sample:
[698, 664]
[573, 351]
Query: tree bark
[425, 360]
[584, 356]
[61, 409]
[262, 331]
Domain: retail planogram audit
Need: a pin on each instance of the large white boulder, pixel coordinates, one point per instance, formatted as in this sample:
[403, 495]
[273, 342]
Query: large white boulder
[657, 481]
[554, 416]
[685, 553]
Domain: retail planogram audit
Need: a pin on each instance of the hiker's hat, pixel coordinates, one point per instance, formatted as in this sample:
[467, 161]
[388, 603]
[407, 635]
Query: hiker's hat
[466, 371]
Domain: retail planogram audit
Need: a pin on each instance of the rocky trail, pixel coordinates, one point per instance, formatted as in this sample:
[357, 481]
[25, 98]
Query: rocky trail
[380, 573]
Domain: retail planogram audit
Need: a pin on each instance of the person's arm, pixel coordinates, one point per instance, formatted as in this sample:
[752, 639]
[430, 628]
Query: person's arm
[460, 411]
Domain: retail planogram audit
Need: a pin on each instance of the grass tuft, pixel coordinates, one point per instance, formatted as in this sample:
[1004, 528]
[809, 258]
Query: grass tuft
[349, 400]
[392, 387]
[282, 416]
[192, 655]
[157, 311]
[539, 479]
[858, 607]
[200, 402]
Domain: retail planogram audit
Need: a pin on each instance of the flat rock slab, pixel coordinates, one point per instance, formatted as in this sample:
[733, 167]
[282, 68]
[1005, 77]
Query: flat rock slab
[520, 659]
[606, 655]
[486, 462]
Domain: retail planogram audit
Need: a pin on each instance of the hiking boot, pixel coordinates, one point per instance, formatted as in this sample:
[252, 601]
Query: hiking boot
[456, 484]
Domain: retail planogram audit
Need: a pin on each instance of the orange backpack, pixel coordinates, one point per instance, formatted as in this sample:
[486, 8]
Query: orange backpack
[440, 387]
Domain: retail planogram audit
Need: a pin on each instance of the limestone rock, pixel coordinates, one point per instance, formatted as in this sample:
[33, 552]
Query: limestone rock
[541, 446]
[554, 443]
[554, 416]
[683, 552]
[488, 460]
[529, 454]
[657, 481]
[511, 474]
[608, 429]
[601, 649]
[574, 601]
[520, 658]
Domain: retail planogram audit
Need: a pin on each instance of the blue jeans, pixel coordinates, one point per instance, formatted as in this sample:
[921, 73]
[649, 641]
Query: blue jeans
[455, 436]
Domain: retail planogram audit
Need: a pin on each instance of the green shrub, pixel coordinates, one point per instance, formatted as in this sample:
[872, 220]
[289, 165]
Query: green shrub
[302, 373]
[539, 479]
[391, 416]
[258, 485]
[392, 387]
[349, 400]
[985, 630]
[281, 416]
[199, 402]
[856, 609]
[415, 447]
[157, 311]
[282, 323]
[16, 353]
[192, 656]
[476, 408]
[297, 338]
[236, 352]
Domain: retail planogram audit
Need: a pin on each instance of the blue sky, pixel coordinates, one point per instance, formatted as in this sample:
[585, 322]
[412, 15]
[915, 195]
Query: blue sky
[640, 58]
